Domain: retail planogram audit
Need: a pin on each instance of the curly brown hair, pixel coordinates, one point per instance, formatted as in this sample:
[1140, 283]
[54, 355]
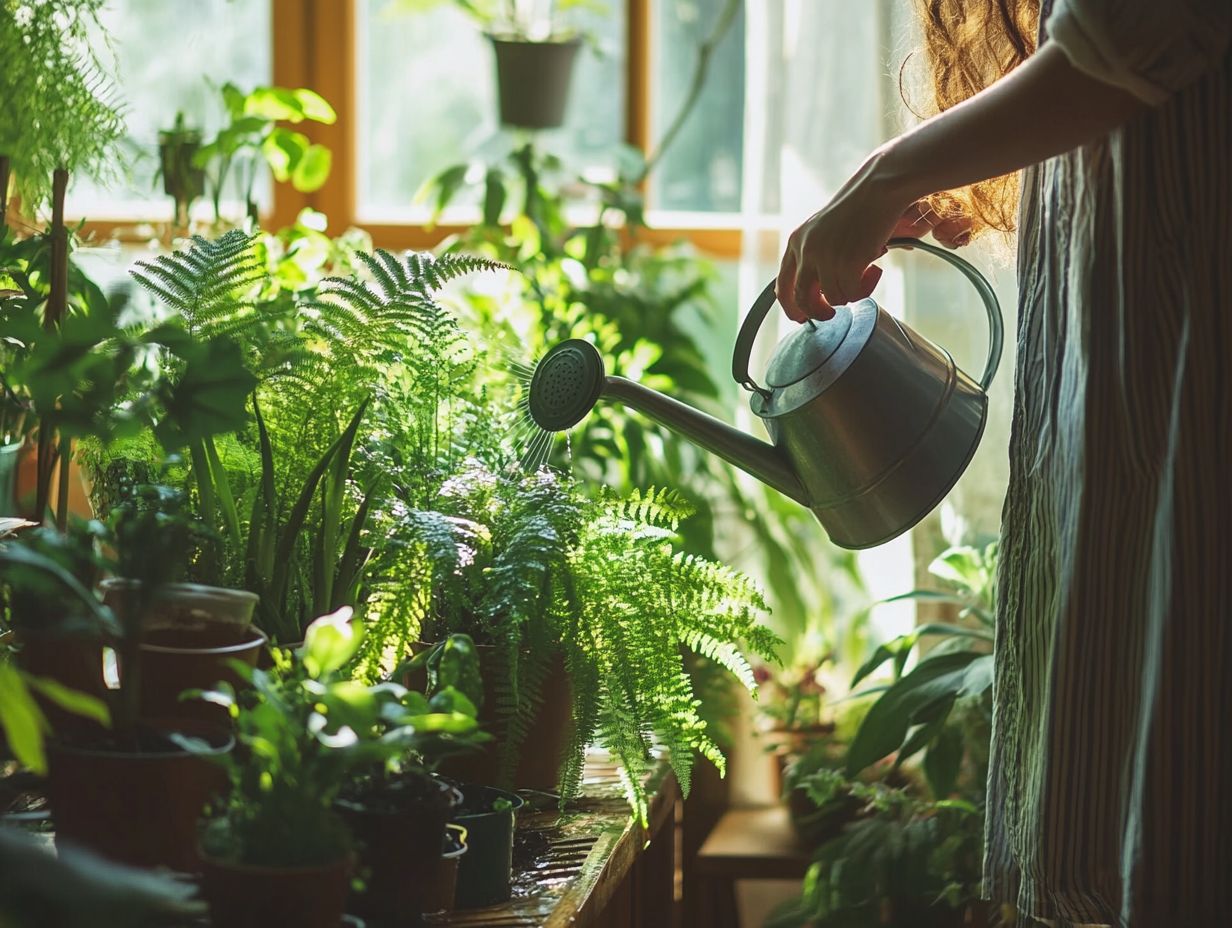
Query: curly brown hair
[968, 45]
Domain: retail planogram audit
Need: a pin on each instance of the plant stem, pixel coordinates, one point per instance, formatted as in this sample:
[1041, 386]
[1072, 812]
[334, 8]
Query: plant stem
[701, 70]
[66, 459]
[4, 190]
[57, 304]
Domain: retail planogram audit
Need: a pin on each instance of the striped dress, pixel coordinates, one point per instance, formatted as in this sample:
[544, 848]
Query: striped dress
[1110, 789]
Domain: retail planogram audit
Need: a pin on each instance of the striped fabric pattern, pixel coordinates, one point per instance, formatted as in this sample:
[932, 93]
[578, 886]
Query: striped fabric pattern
[1110, 790]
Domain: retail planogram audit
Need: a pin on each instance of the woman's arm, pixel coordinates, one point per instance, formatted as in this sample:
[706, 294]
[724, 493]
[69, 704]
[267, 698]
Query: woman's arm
[1044, 108]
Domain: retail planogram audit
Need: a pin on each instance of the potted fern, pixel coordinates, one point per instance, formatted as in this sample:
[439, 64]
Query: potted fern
[183, 180]
[584, 591]
[534, 51]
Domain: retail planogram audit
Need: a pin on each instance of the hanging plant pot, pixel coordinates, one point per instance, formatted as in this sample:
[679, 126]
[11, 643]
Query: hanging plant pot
[533, 80]
[183, 181]
[485, 874]
[399, 841]
[137, 807]
[242, 896]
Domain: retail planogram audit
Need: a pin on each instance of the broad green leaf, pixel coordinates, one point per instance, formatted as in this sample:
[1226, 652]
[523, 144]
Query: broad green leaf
[274, 103]
[445, 184]
[74, 701]
[314, 106]
[24, 725]
[283, 150]
[885, 726]
[330, 641]
[312, 170]
[209, 398]
[979, 676]
[957, 631]
[494, 195]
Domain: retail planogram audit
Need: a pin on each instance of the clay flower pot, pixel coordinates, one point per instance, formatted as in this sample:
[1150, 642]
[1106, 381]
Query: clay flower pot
[138, 807]
[242, 896]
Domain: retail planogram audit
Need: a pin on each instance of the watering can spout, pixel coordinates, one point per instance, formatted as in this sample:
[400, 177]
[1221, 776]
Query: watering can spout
[758, 458]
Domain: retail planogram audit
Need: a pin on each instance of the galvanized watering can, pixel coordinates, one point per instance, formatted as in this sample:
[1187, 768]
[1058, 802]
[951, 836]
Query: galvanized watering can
[870, 423]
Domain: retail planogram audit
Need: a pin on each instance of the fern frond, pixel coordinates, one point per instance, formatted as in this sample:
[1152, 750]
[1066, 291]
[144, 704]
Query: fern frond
[208, 283]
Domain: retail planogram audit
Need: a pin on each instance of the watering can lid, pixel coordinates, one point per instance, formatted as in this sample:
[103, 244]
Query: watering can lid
[807, 349]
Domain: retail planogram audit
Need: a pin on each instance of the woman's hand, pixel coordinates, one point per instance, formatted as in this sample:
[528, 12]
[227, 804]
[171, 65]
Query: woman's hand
[829, 259]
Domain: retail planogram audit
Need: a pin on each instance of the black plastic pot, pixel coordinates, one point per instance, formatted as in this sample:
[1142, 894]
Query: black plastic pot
[485, 873]
[533, 80]
[399, 850]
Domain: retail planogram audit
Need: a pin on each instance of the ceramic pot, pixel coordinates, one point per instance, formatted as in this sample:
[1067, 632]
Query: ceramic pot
[241, 896]
[533, 81]
[485, 873]
[137, 807]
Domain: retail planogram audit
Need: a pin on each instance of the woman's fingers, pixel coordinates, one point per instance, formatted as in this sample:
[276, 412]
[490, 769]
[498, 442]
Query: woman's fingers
[785, 285]
[954, 232]
[915, 222]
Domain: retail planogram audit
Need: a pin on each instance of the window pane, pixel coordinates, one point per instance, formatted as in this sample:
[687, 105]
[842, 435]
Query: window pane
[427, 99]
[166, 56]
[701, 170]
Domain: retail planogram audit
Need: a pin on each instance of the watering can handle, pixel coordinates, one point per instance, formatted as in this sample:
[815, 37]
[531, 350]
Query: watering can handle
[757, 315]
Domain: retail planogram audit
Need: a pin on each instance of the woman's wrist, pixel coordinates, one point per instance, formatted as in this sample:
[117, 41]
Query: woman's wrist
[894, 177]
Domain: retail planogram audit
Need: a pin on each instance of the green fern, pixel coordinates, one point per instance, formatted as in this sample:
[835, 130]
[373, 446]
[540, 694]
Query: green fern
[210, 284]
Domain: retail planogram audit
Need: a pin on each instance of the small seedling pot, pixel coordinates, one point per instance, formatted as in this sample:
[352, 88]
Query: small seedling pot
[533, 81]
[399, 849]
[138, 806]
[241, 896]
[440, 892]
[485, 874]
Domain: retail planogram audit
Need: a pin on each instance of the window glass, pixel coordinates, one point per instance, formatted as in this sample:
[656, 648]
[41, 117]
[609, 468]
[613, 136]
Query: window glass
[427, 100]
[701, 171]
[172, 57]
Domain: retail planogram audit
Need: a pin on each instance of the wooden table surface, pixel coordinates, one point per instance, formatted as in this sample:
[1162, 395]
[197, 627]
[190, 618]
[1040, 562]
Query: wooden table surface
[590, 866]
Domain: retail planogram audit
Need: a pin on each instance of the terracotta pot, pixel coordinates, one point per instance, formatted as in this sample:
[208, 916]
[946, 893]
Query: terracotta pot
[258, 897]
[188, 607]
[440, 891]
[74, 661]
[399, 850]
[136, 808]
[538, 766]
[173, 661]
[533, 80]
[26, 489]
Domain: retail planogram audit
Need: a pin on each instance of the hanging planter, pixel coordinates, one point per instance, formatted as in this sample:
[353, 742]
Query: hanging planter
[183, 179]
[533, 80]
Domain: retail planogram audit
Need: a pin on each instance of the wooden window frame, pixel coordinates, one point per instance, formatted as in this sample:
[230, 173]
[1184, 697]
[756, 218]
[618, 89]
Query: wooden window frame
[314, 45]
